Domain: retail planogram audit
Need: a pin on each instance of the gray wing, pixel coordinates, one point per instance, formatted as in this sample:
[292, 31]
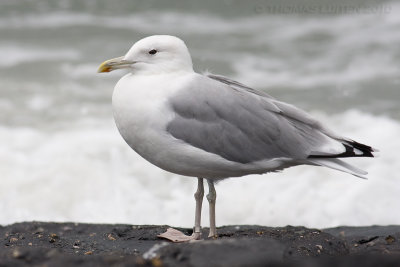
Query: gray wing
[292, 113]
[285, 109]
[241, 124]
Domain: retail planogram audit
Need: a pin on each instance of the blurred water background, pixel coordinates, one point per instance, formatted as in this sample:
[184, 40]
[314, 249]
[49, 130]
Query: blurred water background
[62, 158]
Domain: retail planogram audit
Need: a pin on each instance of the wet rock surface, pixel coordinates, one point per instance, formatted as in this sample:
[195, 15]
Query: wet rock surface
[73, 244]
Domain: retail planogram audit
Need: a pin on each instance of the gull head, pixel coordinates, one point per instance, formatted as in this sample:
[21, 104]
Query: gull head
[153, 55]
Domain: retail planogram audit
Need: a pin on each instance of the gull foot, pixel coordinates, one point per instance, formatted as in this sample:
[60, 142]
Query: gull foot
[177, 236]
[213, 236]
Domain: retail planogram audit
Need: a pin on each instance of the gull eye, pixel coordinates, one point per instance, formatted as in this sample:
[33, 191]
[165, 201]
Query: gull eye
[152, 51]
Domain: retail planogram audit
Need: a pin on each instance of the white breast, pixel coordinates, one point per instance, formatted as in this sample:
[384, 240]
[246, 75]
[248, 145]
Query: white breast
[140, 110]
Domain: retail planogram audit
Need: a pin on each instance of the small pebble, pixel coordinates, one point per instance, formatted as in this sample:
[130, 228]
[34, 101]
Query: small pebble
[76, 244]
[156, 262]
[390, 239]
[371, 244]
[17, 253]
[39, 230]
[53, 238]
[110, 237]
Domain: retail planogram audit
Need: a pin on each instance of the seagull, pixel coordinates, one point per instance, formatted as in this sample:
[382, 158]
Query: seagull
[211, 127]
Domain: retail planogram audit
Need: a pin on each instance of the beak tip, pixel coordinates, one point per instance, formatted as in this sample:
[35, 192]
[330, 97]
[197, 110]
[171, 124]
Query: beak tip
[102, 71]
[112, 64]
[103, 68]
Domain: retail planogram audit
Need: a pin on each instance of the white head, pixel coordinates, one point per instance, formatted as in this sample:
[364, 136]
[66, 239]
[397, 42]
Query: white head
[153, 55]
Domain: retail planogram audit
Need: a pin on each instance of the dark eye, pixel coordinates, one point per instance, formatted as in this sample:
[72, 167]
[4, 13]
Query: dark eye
[152, 52]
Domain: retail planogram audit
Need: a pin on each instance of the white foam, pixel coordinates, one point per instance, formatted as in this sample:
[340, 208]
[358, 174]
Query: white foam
[12, 55]
[86, 173]
[39, 102]
[46, 20]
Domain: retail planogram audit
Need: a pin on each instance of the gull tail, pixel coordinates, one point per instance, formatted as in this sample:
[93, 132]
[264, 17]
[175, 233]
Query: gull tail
[339, 165]
[352, 149]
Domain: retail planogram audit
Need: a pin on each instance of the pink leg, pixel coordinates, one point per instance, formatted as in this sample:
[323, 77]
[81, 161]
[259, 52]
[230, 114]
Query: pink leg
[177, 236]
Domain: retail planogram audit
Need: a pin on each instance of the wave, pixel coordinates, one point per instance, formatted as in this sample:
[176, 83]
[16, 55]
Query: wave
[254, 48]
[200, 22]
[326, 71]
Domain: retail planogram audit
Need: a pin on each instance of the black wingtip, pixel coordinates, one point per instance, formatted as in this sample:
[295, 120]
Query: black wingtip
[367, 150]
[351, 148]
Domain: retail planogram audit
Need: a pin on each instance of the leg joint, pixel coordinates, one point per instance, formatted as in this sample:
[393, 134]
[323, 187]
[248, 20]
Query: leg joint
[200, 190]
[211, 197]
[199, 194]
[212, 194]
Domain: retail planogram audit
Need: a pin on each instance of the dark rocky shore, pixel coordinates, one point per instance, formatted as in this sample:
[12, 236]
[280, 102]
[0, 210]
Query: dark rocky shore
[72, 244]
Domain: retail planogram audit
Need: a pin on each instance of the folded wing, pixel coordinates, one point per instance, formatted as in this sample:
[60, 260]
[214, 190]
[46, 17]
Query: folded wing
[243, 125]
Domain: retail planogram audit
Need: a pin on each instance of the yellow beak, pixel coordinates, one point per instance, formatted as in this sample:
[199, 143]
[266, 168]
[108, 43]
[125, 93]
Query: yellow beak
[114, 63]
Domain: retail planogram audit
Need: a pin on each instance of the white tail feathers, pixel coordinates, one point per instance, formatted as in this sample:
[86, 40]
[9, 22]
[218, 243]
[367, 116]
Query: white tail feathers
[339, 165]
